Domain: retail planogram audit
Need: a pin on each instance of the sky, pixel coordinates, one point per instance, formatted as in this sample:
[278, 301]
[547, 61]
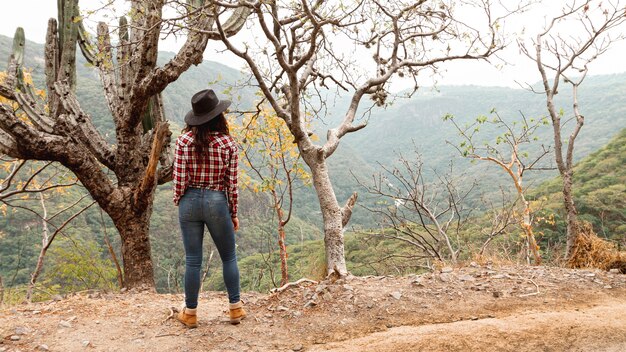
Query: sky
[517, 69]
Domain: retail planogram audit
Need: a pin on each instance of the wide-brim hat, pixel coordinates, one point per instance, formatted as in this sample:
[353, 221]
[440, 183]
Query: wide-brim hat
[205, 106]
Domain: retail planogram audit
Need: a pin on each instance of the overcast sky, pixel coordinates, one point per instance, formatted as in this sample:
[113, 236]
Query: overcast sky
[13, 14]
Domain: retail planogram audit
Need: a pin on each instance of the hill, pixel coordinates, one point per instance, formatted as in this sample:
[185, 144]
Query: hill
[599, 193]
[392, 130]
[486, 308]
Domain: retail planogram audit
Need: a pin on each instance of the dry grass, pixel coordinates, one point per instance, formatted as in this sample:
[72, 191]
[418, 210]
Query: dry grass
[590, 251]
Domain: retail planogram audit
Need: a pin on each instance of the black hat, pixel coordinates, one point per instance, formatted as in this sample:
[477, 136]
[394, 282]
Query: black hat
[205, 106]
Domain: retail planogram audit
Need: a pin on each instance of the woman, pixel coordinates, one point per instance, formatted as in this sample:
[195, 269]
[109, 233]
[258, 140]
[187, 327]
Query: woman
[205, 191]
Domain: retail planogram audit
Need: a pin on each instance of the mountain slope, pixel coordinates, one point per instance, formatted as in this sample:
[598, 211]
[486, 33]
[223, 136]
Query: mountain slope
[599, 192]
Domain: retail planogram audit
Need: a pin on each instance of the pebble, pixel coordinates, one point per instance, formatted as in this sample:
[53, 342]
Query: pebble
[348, 287]
[445, 277]
[43, 347]
[298, 348]
[396, 295]
[608, 286]
[590, 275]
[282, 308]
[65, 324]
[310, 304]
[418, 281]
[497, 294]
[614, 271]
[447, 269]
[57, 298]
[20, 330]
[15, 338]
[474, 264]
[499, 276]
[86, 343]
[467, 278]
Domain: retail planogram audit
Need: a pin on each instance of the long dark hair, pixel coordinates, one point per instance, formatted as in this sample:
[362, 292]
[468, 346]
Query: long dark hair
[202, 133]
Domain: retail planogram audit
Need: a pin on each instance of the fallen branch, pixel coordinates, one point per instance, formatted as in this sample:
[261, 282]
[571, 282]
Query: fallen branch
[290, 284]
[171, 315]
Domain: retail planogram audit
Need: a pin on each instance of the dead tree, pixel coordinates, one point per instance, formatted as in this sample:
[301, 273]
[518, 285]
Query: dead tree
[507, 153]
[427, 215]
[563, 52]
[122, 177]
[306, 50]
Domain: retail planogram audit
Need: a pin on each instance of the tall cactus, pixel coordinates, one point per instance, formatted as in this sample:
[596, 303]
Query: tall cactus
[132, 85]
[16, 59]
[68, 34]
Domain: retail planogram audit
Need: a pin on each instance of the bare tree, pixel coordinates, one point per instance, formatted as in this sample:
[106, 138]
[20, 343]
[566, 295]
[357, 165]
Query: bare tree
[564, 56]
[501, 217]
[428, 216]
[507, 152]
[122, 177]
[34, 181]
[308, 49]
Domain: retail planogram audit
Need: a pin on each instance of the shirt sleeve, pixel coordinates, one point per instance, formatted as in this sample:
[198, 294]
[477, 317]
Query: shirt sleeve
[179, 173]
[230, 179]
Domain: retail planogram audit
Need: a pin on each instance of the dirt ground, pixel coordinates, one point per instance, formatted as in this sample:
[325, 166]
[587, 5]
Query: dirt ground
[474, 308]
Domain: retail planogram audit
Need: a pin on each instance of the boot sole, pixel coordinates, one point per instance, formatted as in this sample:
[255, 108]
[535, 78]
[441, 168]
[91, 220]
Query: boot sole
[236, 321]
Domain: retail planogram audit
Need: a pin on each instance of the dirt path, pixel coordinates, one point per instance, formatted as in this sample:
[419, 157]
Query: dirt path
[480, 308]
[601, 328]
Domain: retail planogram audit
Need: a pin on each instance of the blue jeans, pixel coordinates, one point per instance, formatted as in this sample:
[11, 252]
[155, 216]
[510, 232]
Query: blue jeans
[197, 208]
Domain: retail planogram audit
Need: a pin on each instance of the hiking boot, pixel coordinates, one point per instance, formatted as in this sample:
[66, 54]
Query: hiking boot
[237, 313]
[188, 317]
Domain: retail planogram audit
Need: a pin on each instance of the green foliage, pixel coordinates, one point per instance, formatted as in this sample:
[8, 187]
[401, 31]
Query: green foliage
[76, 265]
[396, 129]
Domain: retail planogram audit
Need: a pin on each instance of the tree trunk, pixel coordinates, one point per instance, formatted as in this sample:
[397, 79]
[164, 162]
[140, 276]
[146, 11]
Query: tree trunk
[570, 209]
[283, 253]
[133, 228]
[331, 213]
[44, 246]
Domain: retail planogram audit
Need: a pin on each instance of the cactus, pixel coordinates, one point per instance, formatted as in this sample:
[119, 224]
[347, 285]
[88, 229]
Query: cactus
[16, 59]
[19, 40]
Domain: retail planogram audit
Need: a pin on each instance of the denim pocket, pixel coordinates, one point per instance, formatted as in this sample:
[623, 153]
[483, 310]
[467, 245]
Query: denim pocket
[218, 206]
[185, 206]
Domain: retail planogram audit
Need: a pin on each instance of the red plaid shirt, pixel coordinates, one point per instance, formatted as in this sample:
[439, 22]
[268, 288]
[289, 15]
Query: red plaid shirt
[216, 171]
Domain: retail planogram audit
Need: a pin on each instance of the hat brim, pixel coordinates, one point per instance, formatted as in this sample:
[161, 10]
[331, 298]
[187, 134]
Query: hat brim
[192, 119]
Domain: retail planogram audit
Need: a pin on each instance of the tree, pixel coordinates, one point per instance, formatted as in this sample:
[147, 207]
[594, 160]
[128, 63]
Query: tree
[122, 177]
[562, 56]
[310, 48]
[275, 167]
[507, 153]
[426, 216]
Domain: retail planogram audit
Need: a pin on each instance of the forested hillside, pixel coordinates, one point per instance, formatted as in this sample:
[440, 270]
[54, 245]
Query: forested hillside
[397, 129]
[599, 191]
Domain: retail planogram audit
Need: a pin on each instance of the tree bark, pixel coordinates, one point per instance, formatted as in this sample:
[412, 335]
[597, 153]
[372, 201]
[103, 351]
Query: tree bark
[133, 227]
[284, 272]
[570, 210]
[331, 214]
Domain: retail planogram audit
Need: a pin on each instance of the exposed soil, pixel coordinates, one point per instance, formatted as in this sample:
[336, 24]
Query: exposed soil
[475, 308]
